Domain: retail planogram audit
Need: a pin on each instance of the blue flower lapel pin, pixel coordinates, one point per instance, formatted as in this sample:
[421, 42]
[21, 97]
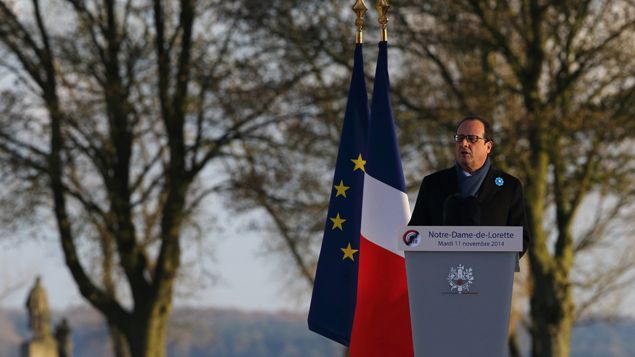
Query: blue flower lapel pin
[499, 181]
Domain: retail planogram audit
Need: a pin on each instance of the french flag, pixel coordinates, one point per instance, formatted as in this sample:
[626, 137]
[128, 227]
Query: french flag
[381, 326]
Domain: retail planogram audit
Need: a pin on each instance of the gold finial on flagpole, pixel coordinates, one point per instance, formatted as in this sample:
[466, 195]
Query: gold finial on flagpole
[360, 10]
[382, 7]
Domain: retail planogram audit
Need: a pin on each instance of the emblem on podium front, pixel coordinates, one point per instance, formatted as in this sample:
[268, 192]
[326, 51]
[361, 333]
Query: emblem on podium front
[460, 279]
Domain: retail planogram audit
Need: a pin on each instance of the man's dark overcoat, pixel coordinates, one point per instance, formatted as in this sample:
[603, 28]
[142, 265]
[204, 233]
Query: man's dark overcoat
[499, 201]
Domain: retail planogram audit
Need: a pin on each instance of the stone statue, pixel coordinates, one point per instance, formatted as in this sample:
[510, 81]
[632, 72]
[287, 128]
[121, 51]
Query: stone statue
[63, 337]
[42, 343]
[38, 309]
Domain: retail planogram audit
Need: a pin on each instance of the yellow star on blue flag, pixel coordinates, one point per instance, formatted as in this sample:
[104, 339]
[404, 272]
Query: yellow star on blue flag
[337, 222]
[348, 252]
[341, 189]
[359, 163]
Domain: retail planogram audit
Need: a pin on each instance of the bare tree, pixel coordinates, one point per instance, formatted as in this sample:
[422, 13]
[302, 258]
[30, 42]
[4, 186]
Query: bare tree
[126, 115]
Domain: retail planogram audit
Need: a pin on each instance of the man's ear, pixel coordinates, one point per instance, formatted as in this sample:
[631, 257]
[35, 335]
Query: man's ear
[489, 145]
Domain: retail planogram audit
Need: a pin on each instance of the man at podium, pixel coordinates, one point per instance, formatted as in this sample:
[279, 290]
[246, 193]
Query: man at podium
[472, 192]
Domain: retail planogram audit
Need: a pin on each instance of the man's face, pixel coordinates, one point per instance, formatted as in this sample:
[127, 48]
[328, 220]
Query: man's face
[472, 156]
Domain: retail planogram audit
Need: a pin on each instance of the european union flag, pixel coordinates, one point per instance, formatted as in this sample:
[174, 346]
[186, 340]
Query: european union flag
[335, 288]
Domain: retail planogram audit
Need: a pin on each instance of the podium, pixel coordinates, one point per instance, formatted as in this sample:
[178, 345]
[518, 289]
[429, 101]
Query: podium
[460, 288]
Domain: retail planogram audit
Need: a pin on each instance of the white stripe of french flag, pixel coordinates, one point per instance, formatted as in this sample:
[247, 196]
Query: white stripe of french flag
[385, 212]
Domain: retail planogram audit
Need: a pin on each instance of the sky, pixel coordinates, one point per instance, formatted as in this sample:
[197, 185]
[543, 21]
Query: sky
[248, 280]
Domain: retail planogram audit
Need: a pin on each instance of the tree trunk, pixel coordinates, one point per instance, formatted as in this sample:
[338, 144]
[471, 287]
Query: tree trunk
[552, 318]
[147, 335]
[552, 308]
[551, 300]
[119, 343]
[118, 340]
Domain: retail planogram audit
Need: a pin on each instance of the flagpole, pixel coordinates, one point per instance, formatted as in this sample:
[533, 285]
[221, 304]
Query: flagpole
[382, 7]
[360, 10]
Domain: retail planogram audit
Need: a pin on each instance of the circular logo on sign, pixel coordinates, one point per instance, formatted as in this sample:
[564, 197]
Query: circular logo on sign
[411, 238]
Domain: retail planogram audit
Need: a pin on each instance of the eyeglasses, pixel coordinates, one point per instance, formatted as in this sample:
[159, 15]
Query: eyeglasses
[470, 138]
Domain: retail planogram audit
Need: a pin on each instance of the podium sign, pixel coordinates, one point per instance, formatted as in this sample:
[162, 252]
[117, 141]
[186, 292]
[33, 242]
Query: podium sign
[462, 239]
[460, 287]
